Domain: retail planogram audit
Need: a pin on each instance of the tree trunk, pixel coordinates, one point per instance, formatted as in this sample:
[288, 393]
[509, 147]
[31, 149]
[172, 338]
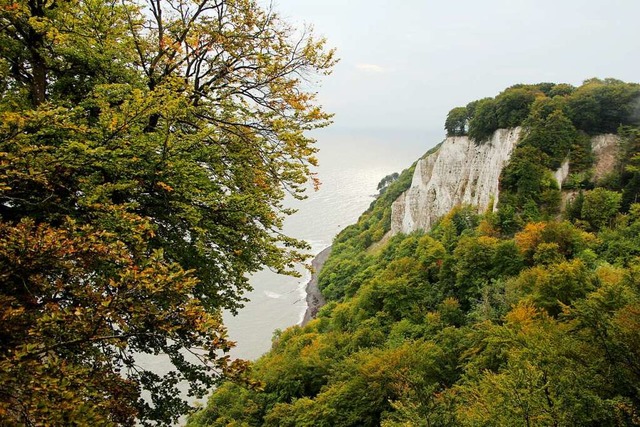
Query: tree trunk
[35, 43]
[39, 75]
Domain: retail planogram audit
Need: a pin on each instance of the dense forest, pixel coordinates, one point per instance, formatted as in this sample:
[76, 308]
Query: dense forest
[145, 150]
[528, 315]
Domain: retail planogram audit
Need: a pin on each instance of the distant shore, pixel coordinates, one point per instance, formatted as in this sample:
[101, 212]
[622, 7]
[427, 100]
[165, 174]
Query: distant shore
[314, 299]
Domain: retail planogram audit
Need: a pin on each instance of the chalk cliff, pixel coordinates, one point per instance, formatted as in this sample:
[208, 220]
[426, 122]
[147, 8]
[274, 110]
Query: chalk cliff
[461, 172]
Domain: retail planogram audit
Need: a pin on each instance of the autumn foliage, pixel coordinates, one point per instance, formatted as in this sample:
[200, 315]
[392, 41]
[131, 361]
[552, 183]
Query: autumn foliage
[527, 316]
[145, 150]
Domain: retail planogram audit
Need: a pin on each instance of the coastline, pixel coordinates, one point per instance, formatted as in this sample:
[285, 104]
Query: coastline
[314, 297]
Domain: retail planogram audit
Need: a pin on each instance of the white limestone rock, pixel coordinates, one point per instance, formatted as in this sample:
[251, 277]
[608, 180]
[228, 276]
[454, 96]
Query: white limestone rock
[460, 172]
[562, 173]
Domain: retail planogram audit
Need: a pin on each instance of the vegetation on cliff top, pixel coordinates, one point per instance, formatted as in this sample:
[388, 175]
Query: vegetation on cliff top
[558, 120]
[520, 317]
[596, 107]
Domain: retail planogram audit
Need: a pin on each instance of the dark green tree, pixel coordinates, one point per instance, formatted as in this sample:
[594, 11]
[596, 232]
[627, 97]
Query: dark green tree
[457, 122]
[601, 106]
[513, 106]
[386, 181]
[554, 135]
[484, 120]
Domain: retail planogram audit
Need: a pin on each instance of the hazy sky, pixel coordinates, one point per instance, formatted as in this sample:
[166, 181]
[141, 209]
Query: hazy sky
[406, 63]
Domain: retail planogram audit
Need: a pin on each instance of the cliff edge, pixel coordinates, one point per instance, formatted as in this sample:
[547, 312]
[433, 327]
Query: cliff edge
[460, 172]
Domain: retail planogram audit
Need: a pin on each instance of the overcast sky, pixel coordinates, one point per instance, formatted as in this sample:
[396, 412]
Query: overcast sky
[406, 63]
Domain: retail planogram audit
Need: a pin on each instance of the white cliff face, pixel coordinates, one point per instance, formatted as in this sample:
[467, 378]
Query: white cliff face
[460, 172]
[562, 173]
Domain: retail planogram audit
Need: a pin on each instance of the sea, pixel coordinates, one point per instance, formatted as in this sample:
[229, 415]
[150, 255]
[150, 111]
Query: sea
[351, 164]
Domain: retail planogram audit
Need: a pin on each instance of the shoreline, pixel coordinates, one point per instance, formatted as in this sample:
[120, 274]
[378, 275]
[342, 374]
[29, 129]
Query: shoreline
[314, 297]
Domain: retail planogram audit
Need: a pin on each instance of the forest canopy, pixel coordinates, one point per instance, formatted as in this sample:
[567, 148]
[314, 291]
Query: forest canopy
[597, 106]
[145, 150]
[524, 316]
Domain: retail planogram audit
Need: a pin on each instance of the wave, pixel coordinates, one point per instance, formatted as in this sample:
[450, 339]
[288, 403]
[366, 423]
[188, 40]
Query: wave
[302, 289]
[273, 294]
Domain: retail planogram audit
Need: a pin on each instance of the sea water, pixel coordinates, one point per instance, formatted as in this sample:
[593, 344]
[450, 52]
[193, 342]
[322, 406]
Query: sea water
[352, 163]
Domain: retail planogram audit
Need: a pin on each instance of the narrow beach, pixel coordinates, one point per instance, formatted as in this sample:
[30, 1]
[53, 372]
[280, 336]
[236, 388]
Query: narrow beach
[314, 299]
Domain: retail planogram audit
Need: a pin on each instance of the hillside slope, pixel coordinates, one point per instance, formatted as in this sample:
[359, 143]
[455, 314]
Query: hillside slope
[519, 316]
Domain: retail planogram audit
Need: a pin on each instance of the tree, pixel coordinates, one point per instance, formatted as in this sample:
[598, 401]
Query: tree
[531, 387]
[630, 162]
[561, 90]
[473, 266]
[524, 176]
[601, 106]
[483, 121]
[600, 206]
[513, 105]
[77, 304]
[386, 181]
[145, 150]
[457, 122]
[554, 135]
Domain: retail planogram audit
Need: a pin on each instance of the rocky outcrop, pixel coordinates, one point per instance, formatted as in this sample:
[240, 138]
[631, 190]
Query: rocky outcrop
[460, 172]
[562, 173]
[606, 150]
